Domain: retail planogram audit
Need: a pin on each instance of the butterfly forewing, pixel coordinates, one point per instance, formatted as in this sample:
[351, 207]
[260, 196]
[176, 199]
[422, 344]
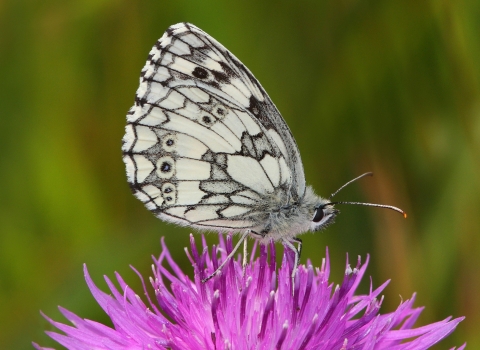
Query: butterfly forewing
[204, 144]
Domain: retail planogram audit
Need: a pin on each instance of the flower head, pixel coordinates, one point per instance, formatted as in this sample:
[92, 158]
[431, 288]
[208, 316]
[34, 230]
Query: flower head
[248, 308]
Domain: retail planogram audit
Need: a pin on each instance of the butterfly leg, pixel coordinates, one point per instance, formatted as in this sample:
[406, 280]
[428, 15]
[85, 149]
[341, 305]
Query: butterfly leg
[297, 251]
[299, 247]
[245, 253]
[227, 259]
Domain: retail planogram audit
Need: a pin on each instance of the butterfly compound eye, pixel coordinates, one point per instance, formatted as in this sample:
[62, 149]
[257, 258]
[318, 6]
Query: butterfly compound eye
[318, 215]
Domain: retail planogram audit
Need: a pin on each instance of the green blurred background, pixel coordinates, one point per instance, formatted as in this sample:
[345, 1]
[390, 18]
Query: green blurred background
[385, 86]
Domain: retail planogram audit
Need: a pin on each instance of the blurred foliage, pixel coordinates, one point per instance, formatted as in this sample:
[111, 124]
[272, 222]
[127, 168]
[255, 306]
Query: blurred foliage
[385, 86]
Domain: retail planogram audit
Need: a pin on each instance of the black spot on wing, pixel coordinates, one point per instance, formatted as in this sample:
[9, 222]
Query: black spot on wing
[170, 31]
[207, 120]
[260, 110]
[196, 55]
[165, 167]
[213, 83]
[204, 50]
[140, 101]
[220, 77]
[158, 44]
[228, 70]
[247, 146]
[200, 73]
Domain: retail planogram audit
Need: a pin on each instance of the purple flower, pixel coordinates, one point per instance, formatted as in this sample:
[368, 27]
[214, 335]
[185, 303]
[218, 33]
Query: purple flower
[251, 308]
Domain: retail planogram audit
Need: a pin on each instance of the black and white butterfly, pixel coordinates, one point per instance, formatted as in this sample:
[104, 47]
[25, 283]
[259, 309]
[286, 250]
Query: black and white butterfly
[206, 147]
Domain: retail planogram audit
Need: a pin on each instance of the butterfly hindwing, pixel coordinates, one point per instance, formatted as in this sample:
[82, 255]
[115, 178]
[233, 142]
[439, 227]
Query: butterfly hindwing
[204, 145]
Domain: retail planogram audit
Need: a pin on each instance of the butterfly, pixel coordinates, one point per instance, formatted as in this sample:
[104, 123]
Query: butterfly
[205, 147]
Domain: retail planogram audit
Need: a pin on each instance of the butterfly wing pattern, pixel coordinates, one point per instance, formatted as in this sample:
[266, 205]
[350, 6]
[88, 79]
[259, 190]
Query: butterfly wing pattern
[206, 147]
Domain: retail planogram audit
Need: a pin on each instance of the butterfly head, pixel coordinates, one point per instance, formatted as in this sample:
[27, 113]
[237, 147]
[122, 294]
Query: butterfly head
[318, 212]
[323, 215]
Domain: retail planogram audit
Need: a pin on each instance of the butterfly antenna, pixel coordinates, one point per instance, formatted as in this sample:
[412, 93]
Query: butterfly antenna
[348, 183]
[391, 207]
[373, 205]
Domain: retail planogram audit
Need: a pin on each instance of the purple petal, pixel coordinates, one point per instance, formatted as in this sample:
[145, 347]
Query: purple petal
[247, 308]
